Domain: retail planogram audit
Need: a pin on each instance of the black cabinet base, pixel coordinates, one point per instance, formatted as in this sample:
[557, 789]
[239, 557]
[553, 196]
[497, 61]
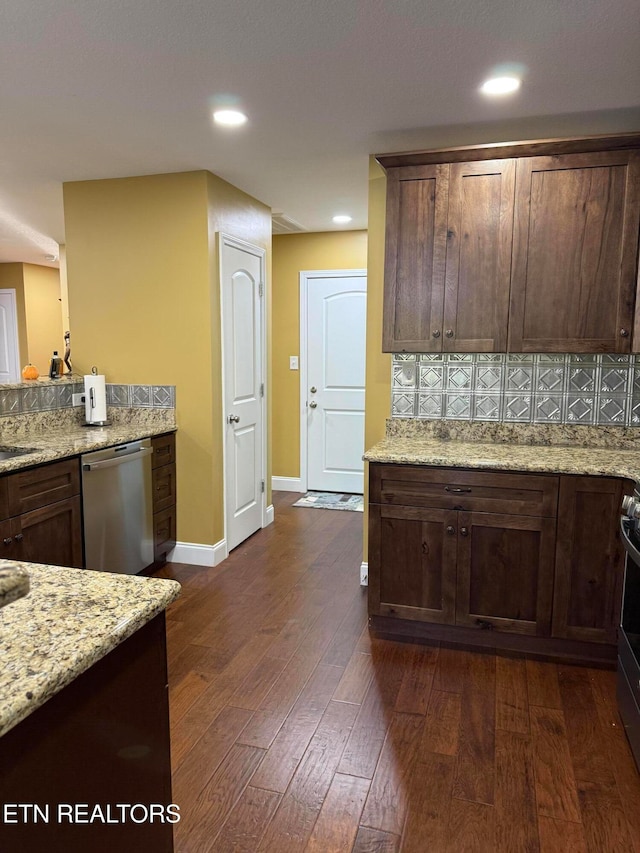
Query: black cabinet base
[541, 648]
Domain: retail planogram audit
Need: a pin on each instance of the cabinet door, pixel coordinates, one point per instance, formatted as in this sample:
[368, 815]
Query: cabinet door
[589, 560]
[52, 534]
[415, 250]
[478, 266]
[412, 563]
[574, 252]
[505, 572]
[46, 484]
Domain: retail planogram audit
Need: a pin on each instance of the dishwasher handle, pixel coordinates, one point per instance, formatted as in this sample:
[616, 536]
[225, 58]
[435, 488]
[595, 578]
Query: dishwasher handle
[117, 460]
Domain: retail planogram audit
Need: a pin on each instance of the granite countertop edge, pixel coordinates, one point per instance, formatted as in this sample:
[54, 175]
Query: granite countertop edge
[543, 459]
[64, 444]
[39, 657]
[14, 584]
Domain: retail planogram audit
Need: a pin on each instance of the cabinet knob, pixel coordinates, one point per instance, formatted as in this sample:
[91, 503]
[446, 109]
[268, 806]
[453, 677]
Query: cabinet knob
[436, 333]
[19, 537]
[7, 540]
[464, 531]
[449, 333]
[624, 333]
[451, 530]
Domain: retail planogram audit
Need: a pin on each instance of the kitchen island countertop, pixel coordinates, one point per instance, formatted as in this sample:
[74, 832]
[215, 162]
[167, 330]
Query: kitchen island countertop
[71, 619]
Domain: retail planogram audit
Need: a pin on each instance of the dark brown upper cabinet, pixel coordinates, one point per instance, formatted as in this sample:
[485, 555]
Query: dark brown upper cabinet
[534, 252]
[575, 249]
[448, 257]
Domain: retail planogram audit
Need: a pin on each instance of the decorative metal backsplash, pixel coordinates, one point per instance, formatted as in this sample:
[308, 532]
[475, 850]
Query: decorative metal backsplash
[518, 388]
[43, 397]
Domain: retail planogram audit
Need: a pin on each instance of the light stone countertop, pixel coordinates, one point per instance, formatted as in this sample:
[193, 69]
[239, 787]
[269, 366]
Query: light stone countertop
[565, 451]
[55, 436]
[69, 621]
[14, 584]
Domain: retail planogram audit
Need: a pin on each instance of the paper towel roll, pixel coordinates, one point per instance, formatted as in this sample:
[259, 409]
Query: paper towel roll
[95, 399]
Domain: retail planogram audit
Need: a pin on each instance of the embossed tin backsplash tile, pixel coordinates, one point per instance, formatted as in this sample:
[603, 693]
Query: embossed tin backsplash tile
[48, 396]
[585, 388]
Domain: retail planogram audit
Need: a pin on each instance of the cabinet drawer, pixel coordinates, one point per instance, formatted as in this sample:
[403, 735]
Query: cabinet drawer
[38, 487]
[164, 450]
[164, 532]
[462, 489]
[164, 487]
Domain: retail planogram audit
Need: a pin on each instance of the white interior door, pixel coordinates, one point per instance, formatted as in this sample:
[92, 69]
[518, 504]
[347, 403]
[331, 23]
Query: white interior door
[9, 350]
[241, 283]
[335, 376]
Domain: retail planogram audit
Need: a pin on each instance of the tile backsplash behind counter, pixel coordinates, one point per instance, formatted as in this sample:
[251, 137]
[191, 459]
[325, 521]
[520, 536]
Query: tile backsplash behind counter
[517, 388]
[46, 395]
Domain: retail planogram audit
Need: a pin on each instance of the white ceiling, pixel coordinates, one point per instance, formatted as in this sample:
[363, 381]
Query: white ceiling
[106, 88]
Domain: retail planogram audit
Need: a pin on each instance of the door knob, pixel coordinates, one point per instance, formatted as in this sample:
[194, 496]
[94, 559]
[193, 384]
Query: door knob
[449, 333]
[436, 334]
[313, 389]
[313, 405]
[233, 419]
[464, 531]
[624, 333]
[451, 529]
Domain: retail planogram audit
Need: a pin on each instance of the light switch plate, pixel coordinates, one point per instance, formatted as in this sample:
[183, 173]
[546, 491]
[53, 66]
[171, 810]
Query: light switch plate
[77, 399]
[293, 362]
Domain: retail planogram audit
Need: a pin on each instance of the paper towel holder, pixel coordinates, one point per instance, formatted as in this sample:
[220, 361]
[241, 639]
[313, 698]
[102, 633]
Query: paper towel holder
[92, 402]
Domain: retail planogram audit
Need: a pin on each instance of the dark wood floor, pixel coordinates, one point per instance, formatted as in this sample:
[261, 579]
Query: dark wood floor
[293, 730]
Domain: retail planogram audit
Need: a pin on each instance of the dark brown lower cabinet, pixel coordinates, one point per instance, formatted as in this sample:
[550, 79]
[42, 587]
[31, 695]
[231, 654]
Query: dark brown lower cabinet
[102, 741]
[547, 583]
[505, 572]
[164, 495]
[52, 534]
[589, 560]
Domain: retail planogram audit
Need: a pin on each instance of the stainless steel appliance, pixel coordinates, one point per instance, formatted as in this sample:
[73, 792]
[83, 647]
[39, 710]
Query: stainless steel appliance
[628, 688]
[116, 498]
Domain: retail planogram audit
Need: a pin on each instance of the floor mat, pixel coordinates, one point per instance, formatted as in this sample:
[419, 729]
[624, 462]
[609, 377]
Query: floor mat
[332, 500]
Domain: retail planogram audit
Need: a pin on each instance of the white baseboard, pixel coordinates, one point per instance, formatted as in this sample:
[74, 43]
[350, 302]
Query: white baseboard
[364, 574]
[269, 515]
[199, 555]
[287, 484]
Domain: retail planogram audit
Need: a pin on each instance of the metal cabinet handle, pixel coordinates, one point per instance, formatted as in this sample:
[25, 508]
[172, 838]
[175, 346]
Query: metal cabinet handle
[464, 531]
[233, 419]
[624, 333]
[449, 333]
[451, 530]
[19, 537]
[7, 540]
[313, 405]
[457, 490]
[436, 333]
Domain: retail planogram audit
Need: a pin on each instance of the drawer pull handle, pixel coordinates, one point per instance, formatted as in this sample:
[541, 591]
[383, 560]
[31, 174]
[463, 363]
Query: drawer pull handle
[456, 490]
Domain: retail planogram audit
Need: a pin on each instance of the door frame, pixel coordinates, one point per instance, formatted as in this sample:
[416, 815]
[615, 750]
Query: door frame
[307, 278]
[15, 351]
[224, 239]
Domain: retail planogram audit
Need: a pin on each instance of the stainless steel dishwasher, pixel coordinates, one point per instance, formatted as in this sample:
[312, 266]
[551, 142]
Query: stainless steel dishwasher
[116, 501]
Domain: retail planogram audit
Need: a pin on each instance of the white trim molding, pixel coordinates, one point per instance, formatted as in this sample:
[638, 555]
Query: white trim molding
[364, 574]
[199, 555]
[287, 484]
[269, 516]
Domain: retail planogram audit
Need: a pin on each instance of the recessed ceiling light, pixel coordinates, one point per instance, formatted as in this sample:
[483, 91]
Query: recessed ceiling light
[229, 118]
[341, 219]
[500, 86]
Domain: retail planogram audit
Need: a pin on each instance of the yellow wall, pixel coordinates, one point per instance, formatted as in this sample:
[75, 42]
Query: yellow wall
[139, 305]
[291, 254]
[378, 382]
[43, 310]
[12, 278]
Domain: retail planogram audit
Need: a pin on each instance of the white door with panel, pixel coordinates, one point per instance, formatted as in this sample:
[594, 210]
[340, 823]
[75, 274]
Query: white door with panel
[335, 375]
[241, 279]
[9, 352]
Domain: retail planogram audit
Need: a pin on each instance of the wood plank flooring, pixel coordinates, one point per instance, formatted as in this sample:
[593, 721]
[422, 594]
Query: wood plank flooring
[294, 730]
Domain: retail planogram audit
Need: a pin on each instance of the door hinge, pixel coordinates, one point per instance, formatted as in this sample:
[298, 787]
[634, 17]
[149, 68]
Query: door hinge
[260, 290]
[262, 486]
[262, 389]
